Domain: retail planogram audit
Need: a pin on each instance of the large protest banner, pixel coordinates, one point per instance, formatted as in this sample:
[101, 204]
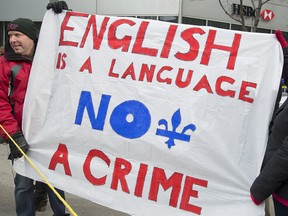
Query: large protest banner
[148, 117]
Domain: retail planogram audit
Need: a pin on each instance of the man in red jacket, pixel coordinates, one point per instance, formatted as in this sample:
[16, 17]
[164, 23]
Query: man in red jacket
[15, 67]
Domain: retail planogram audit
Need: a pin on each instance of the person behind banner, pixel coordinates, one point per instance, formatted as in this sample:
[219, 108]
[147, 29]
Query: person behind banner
[15, 67]
[273, 178]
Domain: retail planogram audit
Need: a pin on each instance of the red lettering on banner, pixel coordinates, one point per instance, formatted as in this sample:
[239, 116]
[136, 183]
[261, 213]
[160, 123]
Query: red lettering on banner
[65, 27]
[210, 45]
[111, 72]
[203, 84]
[61, 63]
[187, 35]
[86, 66]
[140, 180]
[122, 170]
[189, 192]
[159, 178]
[165, 75]
[219, 89]
[179, 81]
[148, 72]
[168, 41]
[116, 43]
[60, 156]
[138, 45]
[97, 38]
[87, 167]
[129, 72]
[244, 92]
[160, 73]
[161, 79]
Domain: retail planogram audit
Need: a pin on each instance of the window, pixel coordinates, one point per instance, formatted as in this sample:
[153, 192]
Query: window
[262, 30]
[127, 16]
[239, 28]
[285, 34]
[2, 33]
[218, 24]
[148, 17]
[193, 21]
[172, 19]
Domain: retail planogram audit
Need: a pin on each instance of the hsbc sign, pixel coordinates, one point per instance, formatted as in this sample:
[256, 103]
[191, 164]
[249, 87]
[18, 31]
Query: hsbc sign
[247, 10]
[267, 15]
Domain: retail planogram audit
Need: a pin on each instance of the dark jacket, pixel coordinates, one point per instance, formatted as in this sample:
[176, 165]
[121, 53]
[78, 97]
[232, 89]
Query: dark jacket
[11, 104]
[273, 177]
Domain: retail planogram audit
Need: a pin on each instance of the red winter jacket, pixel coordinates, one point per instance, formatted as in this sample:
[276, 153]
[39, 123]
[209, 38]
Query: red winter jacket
[11, 108]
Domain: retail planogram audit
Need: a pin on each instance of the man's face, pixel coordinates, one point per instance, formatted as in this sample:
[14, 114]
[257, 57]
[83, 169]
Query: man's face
[21, 43]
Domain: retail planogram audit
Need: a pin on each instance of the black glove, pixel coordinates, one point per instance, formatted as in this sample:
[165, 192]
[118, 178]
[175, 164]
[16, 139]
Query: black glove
[22, 143]
[57, 7]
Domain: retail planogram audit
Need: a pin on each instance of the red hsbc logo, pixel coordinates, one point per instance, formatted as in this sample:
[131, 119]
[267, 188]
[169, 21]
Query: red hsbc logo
[267, 15]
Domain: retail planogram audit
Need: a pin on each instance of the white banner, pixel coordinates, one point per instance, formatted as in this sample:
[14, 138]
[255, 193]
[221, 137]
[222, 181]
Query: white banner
[149, 117]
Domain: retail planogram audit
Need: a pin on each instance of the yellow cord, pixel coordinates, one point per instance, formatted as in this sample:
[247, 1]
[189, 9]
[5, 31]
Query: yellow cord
[38, 171]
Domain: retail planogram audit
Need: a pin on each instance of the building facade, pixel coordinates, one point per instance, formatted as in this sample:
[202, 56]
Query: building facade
[194, 12]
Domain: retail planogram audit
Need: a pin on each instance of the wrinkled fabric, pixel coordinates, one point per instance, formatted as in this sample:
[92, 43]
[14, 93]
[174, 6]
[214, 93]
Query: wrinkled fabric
[273, 177]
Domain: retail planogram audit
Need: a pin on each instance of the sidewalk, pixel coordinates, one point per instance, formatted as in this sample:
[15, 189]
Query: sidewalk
[7, 204]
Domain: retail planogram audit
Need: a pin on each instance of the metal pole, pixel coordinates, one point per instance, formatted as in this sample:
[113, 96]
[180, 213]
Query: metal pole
[180, 11]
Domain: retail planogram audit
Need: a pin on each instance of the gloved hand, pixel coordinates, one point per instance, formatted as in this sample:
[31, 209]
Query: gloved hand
[22, 143]
[281, 38]
[57, 7]
[256, 202]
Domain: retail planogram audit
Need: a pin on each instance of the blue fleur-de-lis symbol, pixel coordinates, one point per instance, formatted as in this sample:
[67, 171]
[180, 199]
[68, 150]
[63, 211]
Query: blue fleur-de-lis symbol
[173, 134]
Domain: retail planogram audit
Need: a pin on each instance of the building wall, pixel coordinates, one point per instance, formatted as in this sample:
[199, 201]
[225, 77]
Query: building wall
[138, 7]
[87, 6]
[12, 9]
[201, 12]
[205, 9]
[36, 9]
[211, 10]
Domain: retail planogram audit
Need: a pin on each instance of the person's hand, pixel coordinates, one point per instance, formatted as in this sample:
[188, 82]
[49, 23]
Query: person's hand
[57, 7]
[284, 45]
[281, 38]
[255, 201]
[22, 143]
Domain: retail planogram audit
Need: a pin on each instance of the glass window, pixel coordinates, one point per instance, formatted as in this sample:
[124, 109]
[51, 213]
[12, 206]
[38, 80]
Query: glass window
[2, 33]
[127, 16]
[173, 19]
[148, 17]
[285, 34]
[262, 30]
[239, 27]
[218, 24]
[193, 21]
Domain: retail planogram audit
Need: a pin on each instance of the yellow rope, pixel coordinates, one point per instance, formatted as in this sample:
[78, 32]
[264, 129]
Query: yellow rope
[38, 171]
